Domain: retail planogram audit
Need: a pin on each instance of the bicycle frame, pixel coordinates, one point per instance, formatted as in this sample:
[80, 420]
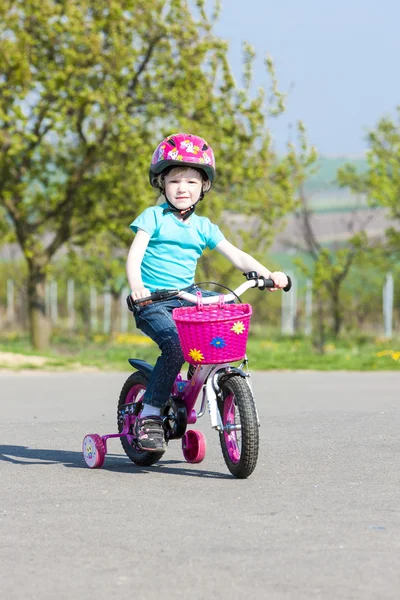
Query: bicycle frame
[206, 377]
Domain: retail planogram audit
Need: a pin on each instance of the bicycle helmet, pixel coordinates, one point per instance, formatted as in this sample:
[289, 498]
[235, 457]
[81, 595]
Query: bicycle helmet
[182, 150]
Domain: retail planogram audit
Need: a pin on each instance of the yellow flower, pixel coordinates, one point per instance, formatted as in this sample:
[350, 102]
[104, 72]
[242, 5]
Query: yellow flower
[99, 338]
[131, 339]
[238, 327]
[384, 353]
[196, 355]
[268, 344]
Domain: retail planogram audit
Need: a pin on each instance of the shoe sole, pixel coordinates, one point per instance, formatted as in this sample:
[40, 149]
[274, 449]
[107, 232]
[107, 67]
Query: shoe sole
[144, 449]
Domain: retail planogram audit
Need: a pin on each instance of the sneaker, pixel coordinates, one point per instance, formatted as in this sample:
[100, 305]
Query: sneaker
[150, 434]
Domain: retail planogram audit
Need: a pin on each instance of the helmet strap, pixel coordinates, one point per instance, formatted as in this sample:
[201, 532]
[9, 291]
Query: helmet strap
[184, 214]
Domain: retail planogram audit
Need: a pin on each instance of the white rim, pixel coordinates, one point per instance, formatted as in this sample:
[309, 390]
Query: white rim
[90, 451]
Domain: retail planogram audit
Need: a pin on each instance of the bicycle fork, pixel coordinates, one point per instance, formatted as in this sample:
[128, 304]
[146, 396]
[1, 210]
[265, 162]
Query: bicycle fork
[212, 392]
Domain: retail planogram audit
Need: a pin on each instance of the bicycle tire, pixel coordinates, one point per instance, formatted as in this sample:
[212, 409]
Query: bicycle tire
[142, 458]
[240, 450]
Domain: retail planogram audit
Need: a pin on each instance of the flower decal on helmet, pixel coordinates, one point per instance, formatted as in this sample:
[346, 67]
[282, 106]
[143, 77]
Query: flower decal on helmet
[161, 152]
[205, 159]
[189, 146]
[174, 154]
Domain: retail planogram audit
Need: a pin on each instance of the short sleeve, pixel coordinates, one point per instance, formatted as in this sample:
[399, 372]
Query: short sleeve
[213, 234]
[147, 221]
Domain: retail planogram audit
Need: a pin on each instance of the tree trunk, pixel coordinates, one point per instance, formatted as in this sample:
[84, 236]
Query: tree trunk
[40, 326]
[319, 341]
[337, 314]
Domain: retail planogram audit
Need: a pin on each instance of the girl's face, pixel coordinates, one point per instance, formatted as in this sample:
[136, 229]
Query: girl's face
[183, 187]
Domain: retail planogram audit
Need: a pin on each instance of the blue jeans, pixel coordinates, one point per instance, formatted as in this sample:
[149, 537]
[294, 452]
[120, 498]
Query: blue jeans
[155, 320]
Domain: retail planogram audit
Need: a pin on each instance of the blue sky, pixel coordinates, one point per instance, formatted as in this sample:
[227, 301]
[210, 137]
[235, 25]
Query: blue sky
[341, 59]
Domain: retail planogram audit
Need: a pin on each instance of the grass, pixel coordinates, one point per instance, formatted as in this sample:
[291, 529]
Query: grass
[101, 352]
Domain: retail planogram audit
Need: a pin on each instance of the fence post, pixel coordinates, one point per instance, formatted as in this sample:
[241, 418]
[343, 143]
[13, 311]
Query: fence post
[124, 310]
[71, 304]
[308, 308]
[93, 308]
[289, 309]
[10, 301]
[107, 312]
[387, 297]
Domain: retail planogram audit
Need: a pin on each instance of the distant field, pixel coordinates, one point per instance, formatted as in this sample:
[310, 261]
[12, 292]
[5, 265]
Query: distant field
[324, 178]
[324, 194]
[335, 200]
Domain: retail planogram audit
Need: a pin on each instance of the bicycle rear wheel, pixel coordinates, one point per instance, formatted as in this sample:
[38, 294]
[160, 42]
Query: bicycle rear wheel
[132, 390]
[240, 437]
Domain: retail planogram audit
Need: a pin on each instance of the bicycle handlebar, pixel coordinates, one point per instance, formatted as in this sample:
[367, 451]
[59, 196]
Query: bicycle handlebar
[253, 281]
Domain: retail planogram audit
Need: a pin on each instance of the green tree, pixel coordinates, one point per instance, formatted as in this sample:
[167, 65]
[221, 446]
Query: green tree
[380, 181]
[363, 289]
[101, 263]
[87, 89]
[329, 267]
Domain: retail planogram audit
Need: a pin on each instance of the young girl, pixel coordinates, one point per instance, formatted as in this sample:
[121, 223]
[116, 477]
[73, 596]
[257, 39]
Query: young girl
[169, 240]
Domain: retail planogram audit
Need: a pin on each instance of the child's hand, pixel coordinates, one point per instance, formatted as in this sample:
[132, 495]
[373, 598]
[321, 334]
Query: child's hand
[280, 280]
[139, 292]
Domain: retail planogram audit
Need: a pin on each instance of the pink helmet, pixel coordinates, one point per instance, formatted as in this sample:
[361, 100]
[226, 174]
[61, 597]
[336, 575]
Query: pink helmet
[182, 150]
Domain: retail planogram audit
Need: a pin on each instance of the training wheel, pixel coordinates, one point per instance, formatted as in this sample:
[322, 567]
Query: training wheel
[194, 446]
[93, 450]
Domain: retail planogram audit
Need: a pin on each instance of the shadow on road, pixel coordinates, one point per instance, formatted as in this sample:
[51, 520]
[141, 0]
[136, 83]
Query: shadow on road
[23, 455]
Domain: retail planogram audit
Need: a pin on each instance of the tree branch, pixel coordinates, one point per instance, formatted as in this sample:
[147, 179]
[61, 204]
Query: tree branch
[135, 80]
[65, 209]
[309, 236]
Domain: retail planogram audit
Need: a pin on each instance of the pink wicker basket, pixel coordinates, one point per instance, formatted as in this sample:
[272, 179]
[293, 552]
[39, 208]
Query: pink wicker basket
[213, 333]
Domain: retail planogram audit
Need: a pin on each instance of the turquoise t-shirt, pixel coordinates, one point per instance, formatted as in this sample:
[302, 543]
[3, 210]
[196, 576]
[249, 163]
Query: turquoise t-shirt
[175, 246]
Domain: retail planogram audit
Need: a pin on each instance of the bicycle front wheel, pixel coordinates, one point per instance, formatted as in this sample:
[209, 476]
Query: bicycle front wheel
[240, 437]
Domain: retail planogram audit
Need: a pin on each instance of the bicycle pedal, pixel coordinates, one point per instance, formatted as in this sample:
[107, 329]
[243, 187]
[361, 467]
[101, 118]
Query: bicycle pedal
[131, 409]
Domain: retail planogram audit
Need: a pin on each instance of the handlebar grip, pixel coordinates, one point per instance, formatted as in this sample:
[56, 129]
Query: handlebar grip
[268, 283]
[289, 285]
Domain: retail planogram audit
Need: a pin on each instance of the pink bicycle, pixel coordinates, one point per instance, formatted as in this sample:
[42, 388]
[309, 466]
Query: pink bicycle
[213, 334]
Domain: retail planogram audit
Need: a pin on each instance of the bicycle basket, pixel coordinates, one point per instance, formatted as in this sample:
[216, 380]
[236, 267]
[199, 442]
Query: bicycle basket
[213, 333]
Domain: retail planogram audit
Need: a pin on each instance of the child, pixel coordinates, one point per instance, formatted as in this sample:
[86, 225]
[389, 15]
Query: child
[169, 240]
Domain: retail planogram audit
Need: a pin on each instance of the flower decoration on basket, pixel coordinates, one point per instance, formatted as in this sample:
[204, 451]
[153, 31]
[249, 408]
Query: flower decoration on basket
[196, 355]
[238, 327]
[218, 342]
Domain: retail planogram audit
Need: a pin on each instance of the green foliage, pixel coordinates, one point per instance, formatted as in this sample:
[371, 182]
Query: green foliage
[327, 268]
[88, 88]
[362, 293]
[99, 262]
[381, 180]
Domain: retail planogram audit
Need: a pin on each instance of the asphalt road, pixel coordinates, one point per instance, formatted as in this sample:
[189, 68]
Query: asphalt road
[319, 517]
